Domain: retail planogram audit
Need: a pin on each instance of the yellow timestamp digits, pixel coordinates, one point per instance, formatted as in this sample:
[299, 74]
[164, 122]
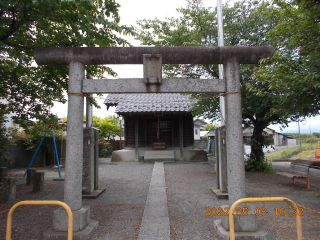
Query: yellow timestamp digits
[238, 211]
[219, 212]
[257, 211]
[282, 211]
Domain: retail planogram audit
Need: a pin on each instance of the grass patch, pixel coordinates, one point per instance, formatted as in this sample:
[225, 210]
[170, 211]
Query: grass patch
[304, 154]
[289, 152]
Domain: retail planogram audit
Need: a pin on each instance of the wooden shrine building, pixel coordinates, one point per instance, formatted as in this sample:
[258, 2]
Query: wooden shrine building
[153, 118]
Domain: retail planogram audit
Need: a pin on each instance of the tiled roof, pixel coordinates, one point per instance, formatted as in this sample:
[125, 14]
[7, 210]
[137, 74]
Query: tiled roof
[149, 102]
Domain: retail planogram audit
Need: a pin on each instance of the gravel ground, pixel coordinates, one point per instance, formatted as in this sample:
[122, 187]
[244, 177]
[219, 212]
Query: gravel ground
[119, 209]
[189, 196]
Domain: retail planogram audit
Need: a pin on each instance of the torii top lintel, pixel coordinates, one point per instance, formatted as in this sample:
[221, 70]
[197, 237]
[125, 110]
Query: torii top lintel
[134, 55]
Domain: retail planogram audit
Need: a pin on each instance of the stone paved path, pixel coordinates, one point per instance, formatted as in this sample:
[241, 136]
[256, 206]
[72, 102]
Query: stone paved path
[155, 222]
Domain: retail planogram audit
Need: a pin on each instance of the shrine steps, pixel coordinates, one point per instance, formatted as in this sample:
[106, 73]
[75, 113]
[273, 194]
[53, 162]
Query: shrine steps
[159, 156]
[150, 155]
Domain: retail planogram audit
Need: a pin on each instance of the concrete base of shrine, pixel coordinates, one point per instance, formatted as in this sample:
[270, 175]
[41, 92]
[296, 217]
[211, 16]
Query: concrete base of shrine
[189, 154]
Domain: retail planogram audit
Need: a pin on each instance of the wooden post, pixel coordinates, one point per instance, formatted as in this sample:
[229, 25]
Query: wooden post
[120, 147]
[145, 132]
[136, 138]
[181, 137]
[172, 131]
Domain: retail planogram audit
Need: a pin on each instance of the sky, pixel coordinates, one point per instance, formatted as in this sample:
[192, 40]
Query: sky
[132, 11]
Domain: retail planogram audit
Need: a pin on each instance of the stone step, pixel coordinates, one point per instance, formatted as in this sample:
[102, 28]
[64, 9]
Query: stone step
[159, 155]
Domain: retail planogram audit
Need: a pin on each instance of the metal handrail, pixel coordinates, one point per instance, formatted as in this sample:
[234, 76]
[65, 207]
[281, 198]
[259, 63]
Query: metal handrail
[59, 203]
[263, 199]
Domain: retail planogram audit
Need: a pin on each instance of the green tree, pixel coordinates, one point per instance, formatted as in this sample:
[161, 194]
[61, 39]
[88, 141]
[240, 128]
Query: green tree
[209, 127]
[29, 24]
[294, 71]
[245, 24]
[109, 127]
[6, 139]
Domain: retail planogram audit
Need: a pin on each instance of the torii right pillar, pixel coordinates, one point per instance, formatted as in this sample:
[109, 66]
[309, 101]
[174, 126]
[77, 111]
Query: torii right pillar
[246, 227]
[234, 136]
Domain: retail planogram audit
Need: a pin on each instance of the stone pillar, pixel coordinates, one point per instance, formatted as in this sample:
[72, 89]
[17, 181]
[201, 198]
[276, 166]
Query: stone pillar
[30, 175]
[88, 161]
[38, 182]
[83, 226]
[217, 157]
[223, 175]
[3, 173]
[74, 155]
[9, 189]
[234, 138]
[246, 226]
[96, 159]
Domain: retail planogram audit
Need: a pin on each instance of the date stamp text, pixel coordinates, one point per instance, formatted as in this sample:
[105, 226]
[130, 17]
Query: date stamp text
[257, 211]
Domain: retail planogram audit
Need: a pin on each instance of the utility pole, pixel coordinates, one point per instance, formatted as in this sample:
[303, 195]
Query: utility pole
[299, 137]
[221, 44]
[310, 136]
[89, 109]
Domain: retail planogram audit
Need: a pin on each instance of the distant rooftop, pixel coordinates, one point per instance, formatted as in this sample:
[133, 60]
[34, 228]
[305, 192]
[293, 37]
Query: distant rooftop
[203, 133]
[199, 122]
[149, 102]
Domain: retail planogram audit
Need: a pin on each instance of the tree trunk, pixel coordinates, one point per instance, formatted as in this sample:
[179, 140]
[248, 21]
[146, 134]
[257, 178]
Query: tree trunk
[257, 143]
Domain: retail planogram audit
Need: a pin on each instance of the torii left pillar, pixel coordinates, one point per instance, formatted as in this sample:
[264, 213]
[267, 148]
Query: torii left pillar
[83, 226]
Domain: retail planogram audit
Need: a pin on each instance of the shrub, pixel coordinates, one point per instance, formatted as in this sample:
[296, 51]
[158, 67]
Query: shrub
[263, 165]
[106, 149]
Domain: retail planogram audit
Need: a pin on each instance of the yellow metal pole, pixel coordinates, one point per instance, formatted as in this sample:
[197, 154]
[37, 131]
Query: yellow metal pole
[59, 203]
[263, 199]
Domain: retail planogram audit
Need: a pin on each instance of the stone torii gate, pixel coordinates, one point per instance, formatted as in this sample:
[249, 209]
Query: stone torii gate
[77, 58]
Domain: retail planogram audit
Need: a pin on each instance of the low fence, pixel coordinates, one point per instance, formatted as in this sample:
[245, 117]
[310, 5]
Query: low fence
[203, 144]
[200, 144]
[20, 157]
